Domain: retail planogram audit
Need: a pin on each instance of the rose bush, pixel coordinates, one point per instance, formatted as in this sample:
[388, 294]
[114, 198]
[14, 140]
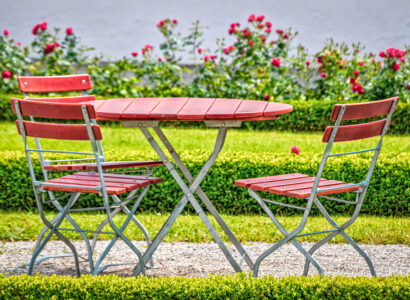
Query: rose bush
[255, 61]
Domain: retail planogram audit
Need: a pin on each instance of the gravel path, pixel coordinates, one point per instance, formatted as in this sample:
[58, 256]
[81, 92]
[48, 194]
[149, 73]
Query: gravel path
[194, 260]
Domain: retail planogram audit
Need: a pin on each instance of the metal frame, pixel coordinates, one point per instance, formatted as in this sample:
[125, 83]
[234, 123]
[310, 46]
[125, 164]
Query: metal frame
[189, 191]
[63, 212]
[313, 199]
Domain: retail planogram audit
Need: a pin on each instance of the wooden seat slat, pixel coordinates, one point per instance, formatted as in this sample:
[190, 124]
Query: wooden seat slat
[280, 190]
[51, 84]
[355, 132]
[265, 186]
[136, 177]
[104, 165]
[306, 192]
[248, 182]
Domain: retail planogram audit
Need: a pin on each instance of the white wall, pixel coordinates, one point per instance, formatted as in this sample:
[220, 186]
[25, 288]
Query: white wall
[120, 27]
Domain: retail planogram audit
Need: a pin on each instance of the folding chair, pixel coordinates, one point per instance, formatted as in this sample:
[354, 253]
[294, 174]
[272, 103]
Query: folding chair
[311, 188]
[77, 83]
[72, 185]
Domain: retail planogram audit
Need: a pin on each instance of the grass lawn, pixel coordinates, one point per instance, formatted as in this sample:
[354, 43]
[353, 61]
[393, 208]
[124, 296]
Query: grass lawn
[369, 230]
[128, 139]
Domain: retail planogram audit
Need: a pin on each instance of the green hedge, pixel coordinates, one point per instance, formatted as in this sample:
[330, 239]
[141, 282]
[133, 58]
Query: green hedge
[214, 287]
[312, 115]
[387, 196]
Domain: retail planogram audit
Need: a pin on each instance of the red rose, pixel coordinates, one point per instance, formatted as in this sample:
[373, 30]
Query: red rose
[323, 74]
[49, 48]
[382, 54]
[396, 67]
[402, 59]
[308, 63]
[6, 74]
[43, 25]
[251, 18]
[261, 25]
[143, 51]
[175, 21]
[268, 24]
[352, 80]
[36, 29]
[275, 62]
[199, 50]
[361, 63]
[134, 54]
[356, 73]
[57, 44]
[159, 59]
[295, 150]
[285, 36]
[6, 32]
[18, 44]
[206, 57]
[272, 42]
[250, 43]
[69, 31]
[266, 97]
[230, 31]
[260, 18]
[212, 56]
[408, 87]
[161, 23]
[268, 30]
[279, 31]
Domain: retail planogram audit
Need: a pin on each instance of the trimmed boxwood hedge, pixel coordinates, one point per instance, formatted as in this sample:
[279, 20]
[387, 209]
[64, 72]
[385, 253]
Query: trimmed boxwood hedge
[312, 115]
[214, 287]
[388, 193]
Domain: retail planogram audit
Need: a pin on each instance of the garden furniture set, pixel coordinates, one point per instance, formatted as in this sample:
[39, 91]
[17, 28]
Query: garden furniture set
[92, 174]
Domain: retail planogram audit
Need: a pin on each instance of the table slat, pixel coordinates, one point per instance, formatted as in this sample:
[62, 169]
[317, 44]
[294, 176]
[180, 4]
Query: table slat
[274, 108]
[223, 109]
[112, 108]
[140, 108]
[250, 108]
[168, 109]
[195, 109]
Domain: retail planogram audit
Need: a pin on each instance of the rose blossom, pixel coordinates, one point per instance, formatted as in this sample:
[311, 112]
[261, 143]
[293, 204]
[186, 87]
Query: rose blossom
[361, 63]
[279, 31]
[308, 63]
[134, 54]
[268, 30]
[295, 150]
[396, 67]
[175, 21]
[323, 74]
[260, 18]
[6, 32]
[250, 43]
[206, 58]
[275, 62]
[268, 24]
[49, 48]
[285, 36]
[69, 31]
[266, 96]
[199, 50]
[356, 73]
[382, 54]
[6, 74]
[251, 18]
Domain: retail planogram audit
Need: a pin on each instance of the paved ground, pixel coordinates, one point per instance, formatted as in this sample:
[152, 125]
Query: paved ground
[193, 260]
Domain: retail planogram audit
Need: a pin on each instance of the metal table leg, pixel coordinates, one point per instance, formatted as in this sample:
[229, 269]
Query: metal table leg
[188, 196]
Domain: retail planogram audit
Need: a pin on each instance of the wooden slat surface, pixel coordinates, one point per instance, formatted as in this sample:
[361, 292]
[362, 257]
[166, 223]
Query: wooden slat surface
[274, 108]
[195, 109]
[168, 109]
[267, 185]
[113, 109]
[306, 192]
[355, 132]
[248, 182]
[281, 190]
[223, 109]
[139, 109]
[104, 165]
[250, 109]
[72, 99]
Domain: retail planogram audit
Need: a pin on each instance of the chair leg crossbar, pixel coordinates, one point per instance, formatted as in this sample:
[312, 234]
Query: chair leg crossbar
[294, 234]
[53, 228]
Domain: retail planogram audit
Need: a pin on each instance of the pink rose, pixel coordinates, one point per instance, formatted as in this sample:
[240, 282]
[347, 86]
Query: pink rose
[285, 36]
[382, 54]
[43, 25]
[250, 43]
[260, 18]
[206, 58]
[295, 150]
[266, 97]
[175, 21]
[408, 87]
[159, 59]
[251, 18]
[200, 50]
[161, 23]
[212, 56]
[361, 63]
[49, 48]
[36, 29]
[268, 30]
[402, 59]
[268, 24]
[356, 73]
[135, 54]
[275, 62]
[279, 31]
[18, 44]
[6, 32]
[308, 63]
[6, 74]
[323, 74]
[396, 67]
[69, 31]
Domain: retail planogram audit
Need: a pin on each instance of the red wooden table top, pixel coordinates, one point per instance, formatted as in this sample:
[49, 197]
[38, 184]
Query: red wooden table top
[188, 109]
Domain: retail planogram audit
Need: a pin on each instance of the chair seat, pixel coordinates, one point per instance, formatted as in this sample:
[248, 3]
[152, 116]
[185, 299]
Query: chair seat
[115, 183]
[105, 165]
[295, 185]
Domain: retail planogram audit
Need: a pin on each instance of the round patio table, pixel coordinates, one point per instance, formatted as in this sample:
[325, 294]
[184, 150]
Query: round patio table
[146, 113]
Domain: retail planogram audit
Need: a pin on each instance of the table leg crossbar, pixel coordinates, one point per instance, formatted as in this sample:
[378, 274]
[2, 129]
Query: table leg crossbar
[189, 196]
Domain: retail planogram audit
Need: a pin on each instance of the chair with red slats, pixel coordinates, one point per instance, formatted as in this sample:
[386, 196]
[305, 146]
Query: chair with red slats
[298, 185]
[108, 185]
[74, 83]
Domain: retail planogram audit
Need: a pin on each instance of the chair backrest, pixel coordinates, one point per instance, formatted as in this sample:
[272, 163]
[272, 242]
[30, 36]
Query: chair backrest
[40, 129]
[54, 84]
[338, 133]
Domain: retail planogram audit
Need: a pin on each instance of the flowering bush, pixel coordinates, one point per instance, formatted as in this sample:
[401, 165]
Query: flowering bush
[256, 61]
